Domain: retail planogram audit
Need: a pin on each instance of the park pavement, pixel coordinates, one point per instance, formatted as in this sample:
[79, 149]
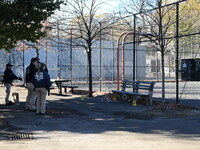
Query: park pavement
[94, 124]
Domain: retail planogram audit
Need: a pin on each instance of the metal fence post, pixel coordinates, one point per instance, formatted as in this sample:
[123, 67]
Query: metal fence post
[134, 46]
[177, 53]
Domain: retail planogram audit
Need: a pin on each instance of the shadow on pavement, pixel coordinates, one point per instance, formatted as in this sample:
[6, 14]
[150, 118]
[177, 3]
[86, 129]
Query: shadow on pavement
[93, 116]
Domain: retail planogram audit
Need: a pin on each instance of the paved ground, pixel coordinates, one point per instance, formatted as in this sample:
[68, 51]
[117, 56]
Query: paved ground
[96, 124]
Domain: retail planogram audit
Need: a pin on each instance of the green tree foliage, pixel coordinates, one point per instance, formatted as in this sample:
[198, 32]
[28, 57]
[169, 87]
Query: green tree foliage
[21, 20]
[189, 12]
[189, 16]
[189, 23]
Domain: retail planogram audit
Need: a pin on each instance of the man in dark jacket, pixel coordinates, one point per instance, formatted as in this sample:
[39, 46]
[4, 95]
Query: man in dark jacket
[30, 73]
[42, 85]
[9, 76]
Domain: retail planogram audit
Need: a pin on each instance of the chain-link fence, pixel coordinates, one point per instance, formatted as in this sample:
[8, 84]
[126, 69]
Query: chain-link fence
[71, 62]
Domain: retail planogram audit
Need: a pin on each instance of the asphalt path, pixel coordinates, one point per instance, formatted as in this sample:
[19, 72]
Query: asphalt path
[94, 124]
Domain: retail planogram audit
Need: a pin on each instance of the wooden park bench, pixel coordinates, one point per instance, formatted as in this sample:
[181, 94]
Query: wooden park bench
[136, 89]
[61, 83]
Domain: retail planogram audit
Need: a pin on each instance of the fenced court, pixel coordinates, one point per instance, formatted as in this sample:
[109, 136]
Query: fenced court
[148, 67]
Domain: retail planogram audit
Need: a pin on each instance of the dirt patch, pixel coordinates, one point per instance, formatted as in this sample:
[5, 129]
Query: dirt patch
[135, 115]
[80, 92]
[64, 112]
[170, 106]
[162, 110]
[159, 110]
[155, 113]
[100, 93]
[180, 113]
[95, 93]
[173, 110]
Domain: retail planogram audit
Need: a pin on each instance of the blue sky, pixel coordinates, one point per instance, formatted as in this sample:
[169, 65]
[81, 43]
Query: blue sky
[109, 6]
[112, 5]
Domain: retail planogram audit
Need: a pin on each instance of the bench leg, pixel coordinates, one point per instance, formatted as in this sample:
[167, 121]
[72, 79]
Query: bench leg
[150, 101]
[72, 90]
[65, 89]
[59, 88]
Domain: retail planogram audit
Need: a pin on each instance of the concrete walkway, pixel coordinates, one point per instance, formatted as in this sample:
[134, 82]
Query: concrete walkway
[94, 124]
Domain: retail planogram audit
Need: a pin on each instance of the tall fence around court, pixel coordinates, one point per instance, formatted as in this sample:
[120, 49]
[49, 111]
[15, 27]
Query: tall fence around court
[71, 63]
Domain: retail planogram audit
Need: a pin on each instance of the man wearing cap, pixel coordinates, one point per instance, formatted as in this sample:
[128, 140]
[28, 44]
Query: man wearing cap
[9, 76]
[30, 73]
[39, 64]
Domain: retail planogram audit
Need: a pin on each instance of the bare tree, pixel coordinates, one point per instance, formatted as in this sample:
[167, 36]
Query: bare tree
[85, 26]
[160, 22]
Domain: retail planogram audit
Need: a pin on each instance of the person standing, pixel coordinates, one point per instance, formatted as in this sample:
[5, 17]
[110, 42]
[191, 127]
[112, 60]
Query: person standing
[42, 85]
[30, 72]
[8, 78]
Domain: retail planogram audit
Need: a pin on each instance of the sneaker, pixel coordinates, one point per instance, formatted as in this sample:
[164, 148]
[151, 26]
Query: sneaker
[41, 113]
[27, 108]
[9, 103]
[32, 110]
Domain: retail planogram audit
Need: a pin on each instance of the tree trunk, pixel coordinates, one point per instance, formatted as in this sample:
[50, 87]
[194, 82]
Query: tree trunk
[161, 43]
[37, 52]
[163, 75]
[89, 53]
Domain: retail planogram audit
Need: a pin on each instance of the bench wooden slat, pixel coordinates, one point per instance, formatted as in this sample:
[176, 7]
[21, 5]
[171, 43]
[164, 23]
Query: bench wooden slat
[138, 87]
[131, 93]
[136, 83]
[145, 85]
[144, 82]
[70, 86]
